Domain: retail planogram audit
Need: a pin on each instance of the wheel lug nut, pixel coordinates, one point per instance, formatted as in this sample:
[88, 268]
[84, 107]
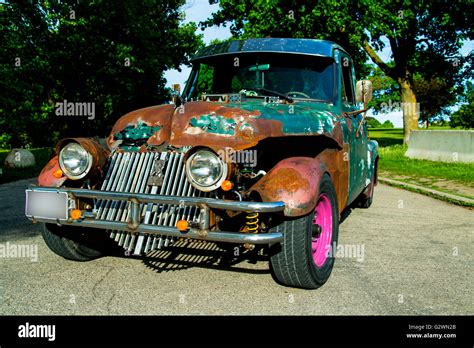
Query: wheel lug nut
[316, 230]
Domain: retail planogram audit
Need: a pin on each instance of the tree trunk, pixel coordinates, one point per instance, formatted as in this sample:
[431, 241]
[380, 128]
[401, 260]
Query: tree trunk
[410, 108]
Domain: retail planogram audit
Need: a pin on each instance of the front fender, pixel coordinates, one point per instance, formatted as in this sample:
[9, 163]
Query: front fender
[295, 181]
[46, 177]
[99, 157]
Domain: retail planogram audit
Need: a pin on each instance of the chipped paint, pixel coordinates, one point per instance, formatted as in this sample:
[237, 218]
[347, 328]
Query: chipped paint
[214, 124]
[140, 131]
[294, 181]
[237, 125]
[153, 116]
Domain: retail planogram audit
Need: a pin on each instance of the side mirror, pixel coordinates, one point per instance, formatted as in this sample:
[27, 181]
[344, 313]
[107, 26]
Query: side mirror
[363, 91]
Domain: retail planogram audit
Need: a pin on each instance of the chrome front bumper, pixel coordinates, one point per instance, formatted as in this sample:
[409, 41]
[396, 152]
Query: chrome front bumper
[134, 225]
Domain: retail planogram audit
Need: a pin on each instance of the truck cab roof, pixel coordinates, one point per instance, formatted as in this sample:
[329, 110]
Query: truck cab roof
[312, 47]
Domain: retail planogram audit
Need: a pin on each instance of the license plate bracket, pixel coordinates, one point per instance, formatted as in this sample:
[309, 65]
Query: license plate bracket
[46, 205]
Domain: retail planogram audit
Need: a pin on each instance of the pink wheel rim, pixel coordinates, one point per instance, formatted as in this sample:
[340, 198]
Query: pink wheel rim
[321, 244]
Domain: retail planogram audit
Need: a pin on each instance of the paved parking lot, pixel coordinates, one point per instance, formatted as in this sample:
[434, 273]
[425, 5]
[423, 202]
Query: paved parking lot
[415, 256]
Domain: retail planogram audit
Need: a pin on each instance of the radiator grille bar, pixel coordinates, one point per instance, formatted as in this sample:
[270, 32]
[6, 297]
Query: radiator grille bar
[130, 172]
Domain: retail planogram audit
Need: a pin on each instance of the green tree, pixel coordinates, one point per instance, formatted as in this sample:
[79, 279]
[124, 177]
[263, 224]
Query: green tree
[372, 122]
[86, 51]
[422, 35]
[26, 74]
[434, 94]
[464, 117]
[387, 124]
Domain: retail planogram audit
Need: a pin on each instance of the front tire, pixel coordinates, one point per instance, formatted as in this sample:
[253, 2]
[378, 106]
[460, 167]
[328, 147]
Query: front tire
[70, 243]
[305, 258]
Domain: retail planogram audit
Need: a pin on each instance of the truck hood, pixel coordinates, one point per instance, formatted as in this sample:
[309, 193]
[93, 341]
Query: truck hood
[219, 125]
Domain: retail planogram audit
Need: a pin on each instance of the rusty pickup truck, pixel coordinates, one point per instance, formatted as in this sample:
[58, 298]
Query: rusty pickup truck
[264, 151]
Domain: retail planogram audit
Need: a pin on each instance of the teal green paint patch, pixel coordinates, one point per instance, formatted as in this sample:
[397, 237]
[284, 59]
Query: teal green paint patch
[136, 132]
[214, 124]
[304, 122]
[299, 118]
[130, 148]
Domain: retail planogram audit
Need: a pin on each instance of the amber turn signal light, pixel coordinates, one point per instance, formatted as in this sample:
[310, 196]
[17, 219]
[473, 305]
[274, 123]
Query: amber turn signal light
[227, 185]
[58, 173]
[182, 225]
[76, 214]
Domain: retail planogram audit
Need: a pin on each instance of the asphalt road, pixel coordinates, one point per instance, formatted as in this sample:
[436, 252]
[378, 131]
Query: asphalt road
[415, 258]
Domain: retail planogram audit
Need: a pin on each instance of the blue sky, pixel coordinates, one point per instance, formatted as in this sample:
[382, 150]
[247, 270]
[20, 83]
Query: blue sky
[199, 10]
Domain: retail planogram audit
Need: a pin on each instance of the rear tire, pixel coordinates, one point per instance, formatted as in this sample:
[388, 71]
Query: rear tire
[72, 244]
[305, 257]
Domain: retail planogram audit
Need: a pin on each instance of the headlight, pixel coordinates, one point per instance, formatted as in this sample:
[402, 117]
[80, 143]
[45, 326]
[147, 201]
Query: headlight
[75, 161]
[205, 170]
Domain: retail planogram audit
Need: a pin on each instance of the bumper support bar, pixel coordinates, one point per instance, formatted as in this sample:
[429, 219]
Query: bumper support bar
[134, 225]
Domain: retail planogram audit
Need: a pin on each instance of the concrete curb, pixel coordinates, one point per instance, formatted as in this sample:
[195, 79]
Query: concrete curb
[448, 197]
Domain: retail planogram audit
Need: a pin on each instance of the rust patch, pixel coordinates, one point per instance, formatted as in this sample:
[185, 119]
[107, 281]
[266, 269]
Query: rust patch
[248, 129]
[294, 181]
[152, 116]
[337, 134]
[287, 179]
[214, 125]
[336, 163]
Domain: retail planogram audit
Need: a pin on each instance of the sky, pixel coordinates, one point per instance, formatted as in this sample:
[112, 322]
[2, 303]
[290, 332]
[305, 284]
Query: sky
[197, 11]
[200, 10]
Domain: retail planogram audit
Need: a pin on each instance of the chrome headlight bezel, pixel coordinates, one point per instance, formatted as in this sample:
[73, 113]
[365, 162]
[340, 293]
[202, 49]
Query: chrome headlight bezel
[85, 155]
[215, 182]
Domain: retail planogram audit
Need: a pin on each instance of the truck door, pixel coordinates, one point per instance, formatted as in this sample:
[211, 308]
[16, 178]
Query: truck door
[357, 140]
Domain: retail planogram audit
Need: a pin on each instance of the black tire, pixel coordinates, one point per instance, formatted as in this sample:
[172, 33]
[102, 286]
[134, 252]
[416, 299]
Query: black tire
[365, 202]
[72, 244]
[292, 261]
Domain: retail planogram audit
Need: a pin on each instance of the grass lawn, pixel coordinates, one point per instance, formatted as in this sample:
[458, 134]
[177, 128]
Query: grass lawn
[456, 178]
[387, 136]
[42, 156]
[394, 136]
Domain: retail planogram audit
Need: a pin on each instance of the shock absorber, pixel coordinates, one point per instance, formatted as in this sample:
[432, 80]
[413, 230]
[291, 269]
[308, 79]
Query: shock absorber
[252, 222]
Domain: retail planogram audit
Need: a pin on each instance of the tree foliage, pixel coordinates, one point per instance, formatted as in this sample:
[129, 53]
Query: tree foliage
[101, 52]
[293, 19]
[464, 117]
[424, 37]
[435, 95]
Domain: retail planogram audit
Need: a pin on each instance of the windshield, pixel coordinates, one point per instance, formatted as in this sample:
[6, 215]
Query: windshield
[258, 75]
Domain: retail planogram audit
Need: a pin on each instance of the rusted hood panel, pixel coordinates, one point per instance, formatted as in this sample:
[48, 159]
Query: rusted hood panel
[157, 118]
[219, 125]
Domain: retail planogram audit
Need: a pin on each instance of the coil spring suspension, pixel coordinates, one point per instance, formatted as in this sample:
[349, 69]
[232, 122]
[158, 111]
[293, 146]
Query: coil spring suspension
[252, 222]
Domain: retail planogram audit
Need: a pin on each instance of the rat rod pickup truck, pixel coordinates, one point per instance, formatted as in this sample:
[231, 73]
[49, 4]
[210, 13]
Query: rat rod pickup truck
[262, 152]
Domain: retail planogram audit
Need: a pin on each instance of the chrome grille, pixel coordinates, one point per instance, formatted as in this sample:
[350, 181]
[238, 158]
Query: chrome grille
[130, 172]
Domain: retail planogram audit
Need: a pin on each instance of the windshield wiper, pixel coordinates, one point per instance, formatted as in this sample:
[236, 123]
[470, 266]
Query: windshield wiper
[275, 93]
